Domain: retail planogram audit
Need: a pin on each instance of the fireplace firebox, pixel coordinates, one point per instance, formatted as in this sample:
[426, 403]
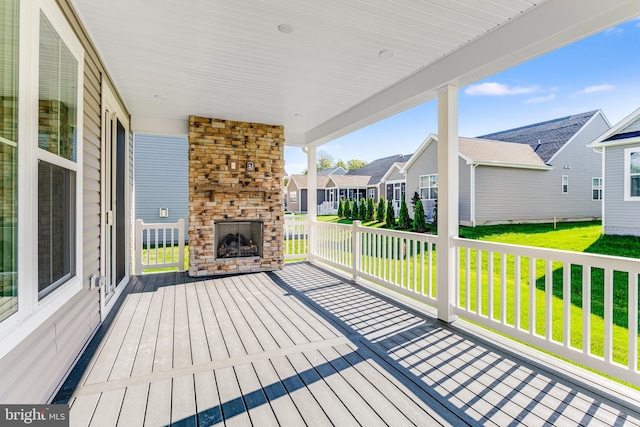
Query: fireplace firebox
[237, 239]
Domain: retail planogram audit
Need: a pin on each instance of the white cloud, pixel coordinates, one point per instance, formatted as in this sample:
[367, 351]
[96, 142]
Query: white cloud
[596, 88]
[498, 89]
[537, 99]
[613, 30]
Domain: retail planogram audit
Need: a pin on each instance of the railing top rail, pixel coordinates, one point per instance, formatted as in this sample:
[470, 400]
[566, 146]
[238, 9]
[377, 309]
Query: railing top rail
[381, 231]
[160, 224]
[578, 258]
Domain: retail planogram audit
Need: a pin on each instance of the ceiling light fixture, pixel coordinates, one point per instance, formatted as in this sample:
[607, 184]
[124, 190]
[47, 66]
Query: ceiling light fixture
[386, 53]
[298, 116]
[285, 28]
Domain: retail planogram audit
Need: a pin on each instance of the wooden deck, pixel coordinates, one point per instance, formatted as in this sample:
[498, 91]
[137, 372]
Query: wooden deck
[303, 346]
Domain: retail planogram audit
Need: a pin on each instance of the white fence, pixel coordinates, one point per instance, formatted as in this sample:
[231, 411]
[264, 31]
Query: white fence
[159, 245]
[296, 237]
[580, 306]
[328, 208]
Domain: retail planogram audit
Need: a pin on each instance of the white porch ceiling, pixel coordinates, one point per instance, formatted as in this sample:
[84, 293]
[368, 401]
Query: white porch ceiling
[227, 59]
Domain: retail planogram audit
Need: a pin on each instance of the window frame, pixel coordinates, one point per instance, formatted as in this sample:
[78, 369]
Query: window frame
[565, 184]
[32, 310]
[293, 197]
[627, 174]
[429, 187]
[597, 188]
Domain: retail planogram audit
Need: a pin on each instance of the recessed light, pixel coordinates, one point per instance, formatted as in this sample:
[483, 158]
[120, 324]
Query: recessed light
[285, 28]
[386, 53]
[160, 97]
[298, 116]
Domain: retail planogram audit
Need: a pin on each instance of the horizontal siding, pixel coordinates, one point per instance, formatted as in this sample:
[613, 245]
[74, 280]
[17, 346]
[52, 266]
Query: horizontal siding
[464, 191]
[620, 217]
[161, 178]
[33, 370]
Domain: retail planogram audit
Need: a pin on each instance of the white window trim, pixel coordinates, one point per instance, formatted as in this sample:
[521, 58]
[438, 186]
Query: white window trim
[594, 188]
[428, 176]
[562, 184]
[627, 175]
[32, 312]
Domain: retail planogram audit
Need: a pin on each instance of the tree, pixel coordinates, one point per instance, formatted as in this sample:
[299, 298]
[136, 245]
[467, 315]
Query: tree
[391, 215]
[380, 210]
[355, 209]
[340, 209]
[355, 164]
[414, 200]
[340, 164]
[371, 209]
[419, 221]
[435, 213]
[363, 210]
[324, 160]
[404, 219]
[346, 211]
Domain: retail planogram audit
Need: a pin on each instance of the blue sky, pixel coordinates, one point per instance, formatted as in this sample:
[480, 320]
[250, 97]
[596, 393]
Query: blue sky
[599, 72]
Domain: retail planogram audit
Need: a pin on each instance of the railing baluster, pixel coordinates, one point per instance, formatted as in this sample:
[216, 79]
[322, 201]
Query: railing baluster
[633, 321]
[608, 314]
[457, 276]
[467, 278]
[479, 282]
[422, 267]
[490, 284]
[430, 271]
[532, 295]
[548, 293]
[503, 288]
[586, 309]
[566, 305]
[516, 291]
[415, 265]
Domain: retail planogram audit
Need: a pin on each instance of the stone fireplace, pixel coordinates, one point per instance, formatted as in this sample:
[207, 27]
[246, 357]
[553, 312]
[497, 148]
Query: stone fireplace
[236, 205]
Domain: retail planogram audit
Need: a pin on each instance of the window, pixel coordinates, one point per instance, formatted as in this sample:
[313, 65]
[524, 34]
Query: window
[632, 174]
[9, 158]
[429, 187]
[596, 188]
[565, 184]
[292, 196]
[372, 193]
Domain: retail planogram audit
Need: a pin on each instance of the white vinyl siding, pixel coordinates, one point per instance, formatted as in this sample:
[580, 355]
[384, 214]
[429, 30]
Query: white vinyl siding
[620, 213]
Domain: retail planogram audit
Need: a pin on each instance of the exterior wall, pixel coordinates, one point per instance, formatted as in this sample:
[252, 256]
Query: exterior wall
[620, 217]
[161, 181]
[293, 206]
[34, 369]
[396, 176]
[218, 193]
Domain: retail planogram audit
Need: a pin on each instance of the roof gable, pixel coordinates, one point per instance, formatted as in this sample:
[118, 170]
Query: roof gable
[378, 168]
[499, 153]
[627, 131]
[546, 138]
[332, 171]
[349, 181]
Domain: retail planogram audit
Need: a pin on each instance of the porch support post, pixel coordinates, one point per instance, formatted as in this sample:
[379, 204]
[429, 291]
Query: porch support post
[447, 200]
[312, 198]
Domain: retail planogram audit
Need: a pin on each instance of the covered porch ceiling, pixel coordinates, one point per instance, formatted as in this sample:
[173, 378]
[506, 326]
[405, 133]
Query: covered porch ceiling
[321, 69]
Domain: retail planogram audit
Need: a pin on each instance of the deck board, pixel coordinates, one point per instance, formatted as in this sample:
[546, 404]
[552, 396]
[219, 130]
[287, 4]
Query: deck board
[303, 346]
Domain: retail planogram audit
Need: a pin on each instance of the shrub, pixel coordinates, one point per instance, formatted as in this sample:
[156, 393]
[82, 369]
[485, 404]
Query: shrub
[363, 210]
[419, 221]
[404, 218]
[371, 209]
[355, 210]
[414, 200]
[346, 211]
[380, 210]
[435, 213]
[391, 215]
[340, 209]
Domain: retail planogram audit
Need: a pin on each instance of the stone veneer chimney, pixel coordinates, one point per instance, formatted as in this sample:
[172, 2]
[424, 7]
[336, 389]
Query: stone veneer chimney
[223, 187]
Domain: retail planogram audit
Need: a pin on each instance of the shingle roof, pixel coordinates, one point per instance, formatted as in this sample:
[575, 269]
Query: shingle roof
[302, 180]
[332, 171]
[350, 181]
[379, 167]
[498, 152]
[546, 138]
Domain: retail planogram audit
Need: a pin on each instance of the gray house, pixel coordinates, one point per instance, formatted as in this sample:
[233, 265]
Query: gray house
[620, 148]
[161, 179]
[384, 176]
[535, 173]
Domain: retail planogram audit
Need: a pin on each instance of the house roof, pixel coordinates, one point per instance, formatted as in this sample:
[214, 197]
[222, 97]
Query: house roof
[378, 168]
[546, 138]
[320, 69]
[349, 181]
[627, 131]
[488, 152]
[332, 171]
[301, 181]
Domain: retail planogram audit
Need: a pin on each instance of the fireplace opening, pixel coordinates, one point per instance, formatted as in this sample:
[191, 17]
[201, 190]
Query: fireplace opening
[236, 239]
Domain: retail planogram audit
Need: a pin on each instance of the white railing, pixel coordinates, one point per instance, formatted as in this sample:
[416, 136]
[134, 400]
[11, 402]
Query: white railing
[328, 208]
[402, 261]
[560, 301]
[296, 237]
[159, 245]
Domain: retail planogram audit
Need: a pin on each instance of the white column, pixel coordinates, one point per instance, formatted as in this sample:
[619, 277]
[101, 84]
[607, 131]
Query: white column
[447, 199]
[312, 199]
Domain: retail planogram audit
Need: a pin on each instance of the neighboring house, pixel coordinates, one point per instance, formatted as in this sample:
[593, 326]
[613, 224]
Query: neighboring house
[352, 187]
[382, 179]
[621, 184]
[161, 179]
[296, 192]
[535, 173]
[332, 171]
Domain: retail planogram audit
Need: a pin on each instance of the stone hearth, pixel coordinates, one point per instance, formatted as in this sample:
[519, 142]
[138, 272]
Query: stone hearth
[236, 173]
